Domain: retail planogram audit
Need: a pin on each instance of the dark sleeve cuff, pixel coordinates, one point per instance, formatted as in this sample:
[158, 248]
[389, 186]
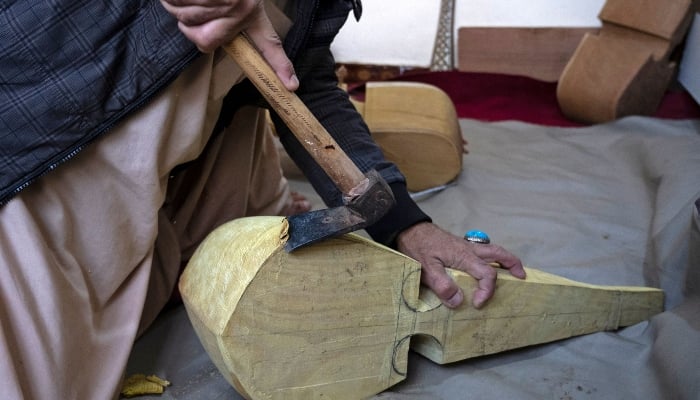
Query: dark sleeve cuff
[403, 215]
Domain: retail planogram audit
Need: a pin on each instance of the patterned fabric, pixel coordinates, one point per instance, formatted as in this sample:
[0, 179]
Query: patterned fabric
[93, 63]
[62, 86]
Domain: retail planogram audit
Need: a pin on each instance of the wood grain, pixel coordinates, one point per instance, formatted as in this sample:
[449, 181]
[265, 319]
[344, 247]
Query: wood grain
[416, 126]
[626, 68]
[303, 124]
[336, 319]
[539, 53]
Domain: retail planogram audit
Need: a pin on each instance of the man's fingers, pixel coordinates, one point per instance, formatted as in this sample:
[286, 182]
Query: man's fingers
[192, 12]
[208, 37]
[198, 15]
[436, 249]
[212, 23]
[437, 279]
[495, 253]
[485, 276]
[265, 38]
[447, 290]
[208, 3]
[515, 268]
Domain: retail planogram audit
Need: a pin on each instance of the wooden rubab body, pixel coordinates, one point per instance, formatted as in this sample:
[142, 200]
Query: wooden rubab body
[335, 320]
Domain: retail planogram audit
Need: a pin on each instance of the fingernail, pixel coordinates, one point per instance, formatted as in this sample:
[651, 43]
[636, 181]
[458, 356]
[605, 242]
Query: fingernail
[455, 300]
[479, 300]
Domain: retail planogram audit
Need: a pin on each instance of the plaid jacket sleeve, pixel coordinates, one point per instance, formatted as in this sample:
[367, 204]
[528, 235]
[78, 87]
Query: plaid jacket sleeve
[71, 70]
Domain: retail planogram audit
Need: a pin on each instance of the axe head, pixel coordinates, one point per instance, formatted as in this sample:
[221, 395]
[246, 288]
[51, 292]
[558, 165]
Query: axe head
[360, 211]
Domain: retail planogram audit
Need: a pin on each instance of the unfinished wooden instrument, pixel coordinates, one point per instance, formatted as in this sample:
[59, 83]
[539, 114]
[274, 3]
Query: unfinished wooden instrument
[626, 68]
[417, 128]
[335, 320]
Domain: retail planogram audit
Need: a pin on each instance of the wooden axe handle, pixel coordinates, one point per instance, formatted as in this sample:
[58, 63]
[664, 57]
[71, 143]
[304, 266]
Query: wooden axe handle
[312, 135]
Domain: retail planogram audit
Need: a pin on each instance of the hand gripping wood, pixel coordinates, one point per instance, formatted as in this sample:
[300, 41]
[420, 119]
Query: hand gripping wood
[303, 124]
[335, 320]
[366, 197]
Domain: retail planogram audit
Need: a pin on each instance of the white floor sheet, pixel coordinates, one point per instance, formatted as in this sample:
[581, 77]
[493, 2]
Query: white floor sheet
[611, 204]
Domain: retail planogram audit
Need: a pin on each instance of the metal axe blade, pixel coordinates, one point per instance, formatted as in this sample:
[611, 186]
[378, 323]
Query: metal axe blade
[367, 197]
[359, 212]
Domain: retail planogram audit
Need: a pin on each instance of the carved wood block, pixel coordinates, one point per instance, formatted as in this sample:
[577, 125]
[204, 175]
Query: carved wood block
[335, 320]
[626, 68]
[417, 128]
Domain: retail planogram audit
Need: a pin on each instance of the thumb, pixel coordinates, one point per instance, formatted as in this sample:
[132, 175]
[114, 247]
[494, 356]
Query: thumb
[265, 38]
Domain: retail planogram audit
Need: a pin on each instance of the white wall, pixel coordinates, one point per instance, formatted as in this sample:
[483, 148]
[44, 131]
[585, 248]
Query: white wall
[527, 13]
[402, 32]
[390, 32]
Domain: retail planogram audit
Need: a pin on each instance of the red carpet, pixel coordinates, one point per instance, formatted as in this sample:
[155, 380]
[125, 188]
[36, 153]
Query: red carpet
[496, 97]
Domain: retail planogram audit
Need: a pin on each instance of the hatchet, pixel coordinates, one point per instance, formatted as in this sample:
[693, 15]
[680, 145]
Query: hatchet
[366, 197]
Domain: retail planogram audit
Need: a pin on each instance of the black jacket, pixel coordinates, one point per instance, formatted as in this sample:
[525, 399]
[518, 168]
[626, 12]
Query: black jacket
[71, 70]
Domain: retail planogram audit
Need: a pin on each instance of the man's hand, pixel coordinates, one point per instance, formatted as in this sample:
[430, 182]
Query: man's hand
[213, 23]
[437, 249]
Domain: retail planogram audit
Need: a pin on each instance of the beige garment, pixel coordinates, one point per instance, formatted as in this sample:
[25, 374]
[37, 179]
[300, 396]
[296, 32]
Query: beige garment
[88, 249]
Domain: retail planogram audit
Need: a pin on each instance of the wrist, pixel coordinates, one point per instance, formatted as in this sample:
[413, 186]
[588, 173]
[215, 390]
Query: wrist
[403, 215]
[410, 234]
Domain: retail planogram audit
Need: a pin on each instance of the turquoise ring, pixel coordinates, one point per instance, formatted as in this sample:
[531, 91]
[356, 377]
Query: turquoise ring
[477, 237]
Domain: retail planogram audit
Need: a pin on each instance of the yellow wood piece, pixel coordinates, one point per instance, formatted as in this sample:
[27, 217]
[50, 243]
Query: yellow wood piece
[335, 319]
[540, 309]
[320, 320]
[141, 385]
[417, 128]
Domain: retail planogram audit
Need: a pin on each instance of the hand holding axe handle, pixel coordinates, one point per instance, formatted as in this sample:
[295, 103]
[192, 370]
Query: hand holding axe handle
[367, 197]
